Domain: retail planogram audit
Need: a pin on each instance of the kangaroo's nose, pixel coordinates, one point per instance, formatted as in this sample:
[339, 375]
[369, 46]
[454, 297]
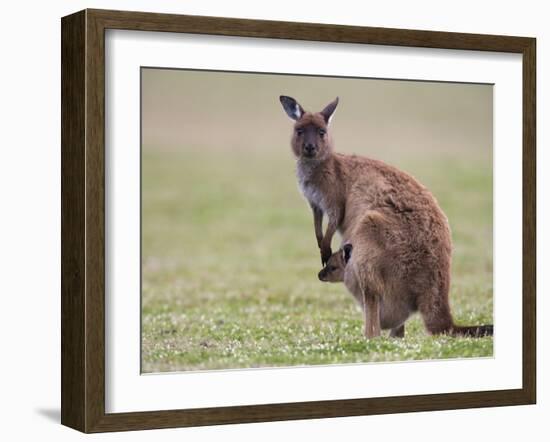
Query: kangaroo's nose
[309, 148]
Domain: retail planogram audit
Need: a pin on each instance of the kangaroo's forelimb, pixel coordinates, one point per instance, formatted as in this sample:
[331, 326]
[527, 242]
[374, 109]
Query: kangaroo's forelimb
[326, 242]
[318, 223]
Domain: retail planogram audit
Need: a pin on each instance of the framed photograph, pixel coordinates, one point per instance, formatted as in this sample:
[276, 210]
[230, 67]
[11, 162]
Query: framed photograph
[269, 220]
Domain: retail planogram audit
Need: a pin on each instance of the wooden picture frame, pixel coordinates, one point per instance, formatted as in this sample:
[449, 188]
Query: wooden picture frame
[83, 220]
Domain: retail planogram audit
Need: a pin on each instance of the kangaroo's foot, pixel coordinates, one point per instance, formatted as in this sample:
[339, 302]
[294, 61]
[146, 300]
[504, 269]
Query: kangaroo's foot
[371, 332]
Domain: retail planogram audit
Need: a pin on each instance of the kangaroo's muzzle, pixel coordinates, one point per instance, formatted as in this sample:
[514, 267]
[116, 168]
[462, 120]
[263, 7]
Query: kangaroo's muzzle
[309, 150]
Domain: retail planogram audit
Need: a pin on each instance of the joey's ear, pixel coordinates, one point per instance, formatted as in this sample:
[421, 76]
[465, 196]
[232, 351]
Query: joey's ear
[292, 107]
[347, 252]
[328, 111]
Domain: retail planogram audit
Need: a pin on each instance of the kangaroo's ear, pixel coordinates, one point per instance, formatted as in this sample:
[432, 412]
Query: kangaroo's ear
[347, 252]
[328, 111]
[291, 107]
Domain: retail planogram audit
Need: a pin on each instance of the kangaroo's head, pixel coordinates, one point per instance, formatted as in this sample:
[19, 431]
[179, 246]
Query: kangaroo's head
[336, 264]
[310, 138]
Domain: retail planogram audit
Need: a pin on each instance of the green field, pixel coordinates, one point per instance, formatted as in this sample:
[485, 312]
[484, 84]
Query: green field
[230, 263]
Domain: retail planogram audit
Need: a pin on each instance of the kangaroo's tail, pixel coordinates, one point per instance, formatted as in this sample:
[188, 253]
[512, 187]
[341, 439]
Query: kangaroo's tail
[472, 331]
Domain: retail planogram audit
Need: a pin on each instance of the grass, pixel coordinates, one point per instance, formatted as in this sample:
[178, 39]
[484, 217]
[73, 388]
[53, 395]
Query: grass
[229, 264]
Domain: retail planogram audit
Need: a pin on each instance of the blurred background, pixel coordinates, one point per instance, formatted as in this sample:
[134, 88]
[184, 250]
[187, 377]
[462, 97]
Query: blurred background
[229, 257]
[192, 109]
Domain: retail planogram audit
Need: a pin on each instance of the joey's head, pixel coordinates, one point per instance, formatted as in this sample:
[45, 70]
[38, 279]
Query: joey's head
[310, 137]
[336, 264]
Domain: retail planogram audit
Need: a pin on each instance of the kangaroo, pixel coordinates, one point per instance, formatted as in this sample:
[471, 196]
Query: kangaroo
[394, 222]
[393, 312]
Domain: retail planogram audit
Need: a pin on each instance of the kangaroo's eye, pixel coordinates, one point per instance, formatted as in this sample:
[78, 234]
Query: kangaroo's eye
[322, 132]
[331, 268]
[299, 132]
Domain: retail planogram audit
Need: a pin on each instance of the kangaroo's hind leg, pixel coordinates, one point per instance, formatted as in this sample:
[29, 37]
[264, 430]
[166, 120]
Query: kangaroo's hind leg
[436, 312]
[372, 315]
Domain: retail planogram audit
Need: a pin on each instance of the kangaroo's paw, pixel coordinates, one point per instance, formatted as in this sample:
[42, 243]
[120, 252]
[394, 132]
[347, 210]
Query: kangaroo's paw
[326, 253]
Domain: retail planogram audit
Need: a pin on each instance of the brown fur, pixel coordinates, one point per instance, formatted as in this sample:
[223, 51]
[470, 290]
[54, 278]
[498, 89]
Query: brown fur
[401, 238]
[392, 311]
